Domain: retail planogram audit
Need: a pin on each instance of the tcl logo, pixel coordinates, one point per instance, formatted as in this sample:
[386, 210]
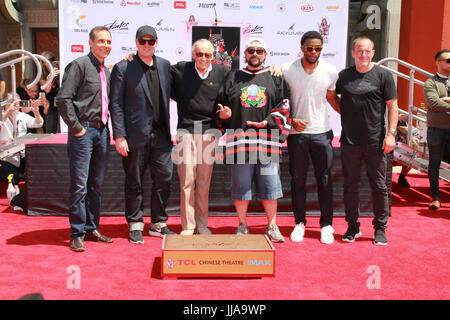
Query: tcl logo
[77, 48]
[179, 4]
[307, 7]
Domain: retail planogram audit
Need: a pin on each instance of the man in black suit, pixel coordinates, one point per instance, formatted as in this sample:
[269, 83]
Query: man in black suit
[140, 92]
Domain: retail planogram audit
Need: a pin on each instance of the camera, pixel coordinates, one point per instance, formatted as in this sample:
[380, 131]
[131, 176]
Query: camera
[24, 103]
[55, 64]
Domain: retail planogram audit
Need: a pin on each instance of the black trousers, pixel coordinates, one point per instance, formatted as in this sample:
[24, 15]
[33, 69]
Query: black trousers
[375, 161]
[317, 146]
[156, 155]
[51, 121]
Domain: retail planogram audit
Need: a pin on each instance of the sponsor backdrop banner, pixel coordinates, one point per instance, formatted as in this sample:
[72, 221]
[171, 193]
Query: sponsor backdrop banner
[228, 24]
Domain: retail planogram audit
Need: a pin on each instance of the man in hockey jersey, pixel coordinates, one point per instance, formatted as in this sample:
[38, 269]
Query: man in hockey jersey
[254, 110]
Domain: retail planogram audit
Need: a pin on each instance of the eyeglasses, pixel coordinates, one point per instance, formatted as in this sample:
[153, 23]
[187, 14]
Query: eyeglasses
[312, 48]
[150, 42]
[205, 54]
[448, 60]
[258, 51]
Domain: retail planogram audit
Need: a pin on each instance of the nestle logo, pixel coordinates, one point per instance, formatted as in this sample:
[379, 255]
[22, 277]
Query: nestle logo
[307, 8]
[77, 48]
[179, 4]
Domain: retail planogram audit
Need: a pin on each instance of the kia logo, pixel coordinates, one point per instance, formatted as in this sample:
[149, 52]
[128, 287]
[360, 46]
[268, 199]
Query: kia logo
[77, 48]
[307, 7]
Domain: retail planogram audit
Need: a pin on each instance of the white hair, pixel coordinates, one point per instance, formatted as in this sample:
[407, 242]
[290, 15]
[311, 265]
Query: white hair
[202, 42]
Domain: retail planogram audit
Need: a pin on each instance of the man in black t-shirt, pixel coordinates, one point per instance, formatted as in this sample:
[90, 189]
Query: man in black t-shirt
[365, 91]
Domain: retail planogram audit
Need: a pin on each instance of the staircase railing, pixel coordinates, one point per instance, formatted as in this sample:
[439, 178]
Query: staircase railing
[421, 113]
[25, 55]
[11, 63]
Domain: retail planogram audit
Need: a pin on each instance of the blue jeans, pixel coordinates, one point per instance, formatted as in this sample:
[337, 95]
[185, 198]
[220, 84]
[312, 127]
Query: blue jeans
[88, 156]
[375, 161]
[317, 146]
[266, 178]
[438, 141]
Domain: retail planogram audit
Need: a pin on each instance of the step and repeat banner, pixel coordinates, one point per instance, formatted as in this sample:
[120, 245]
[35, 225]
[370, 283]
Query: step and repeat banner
[227, 24]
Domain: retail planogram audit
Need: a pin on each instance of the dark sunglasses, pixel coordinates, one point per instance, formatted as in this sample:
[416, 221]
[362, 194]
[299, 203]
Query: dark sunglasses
[252, 51]
[311, 49]
[448, 60]
[151, 42]
[201, 54]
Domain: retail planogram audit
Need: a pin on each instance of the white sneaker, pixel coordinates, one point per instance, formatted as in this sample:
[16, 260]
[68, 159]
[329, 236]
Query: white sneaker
[327, 235]
[298, 232]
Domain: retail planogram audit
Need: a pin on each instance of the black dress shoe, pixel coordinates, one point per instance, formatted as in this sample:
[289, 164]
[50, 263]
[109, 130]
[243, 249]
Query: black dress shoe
[77, 244]
[97, 236]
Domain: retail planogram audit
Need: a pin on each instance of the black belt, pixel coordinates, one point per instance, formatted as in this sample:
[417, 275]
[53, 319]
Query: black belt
[94, 124]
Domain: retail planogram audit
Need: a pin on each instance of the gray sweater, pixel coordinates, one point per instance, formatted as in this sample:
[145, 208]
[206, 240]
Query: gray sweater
[438, 113]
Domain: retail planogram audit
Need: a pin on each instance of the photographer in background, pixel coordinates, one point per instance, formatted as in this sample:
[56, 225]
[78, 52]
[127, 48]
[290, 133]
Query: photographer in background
[51, 117]
[402, 136]
[14, 114]
[36, 97]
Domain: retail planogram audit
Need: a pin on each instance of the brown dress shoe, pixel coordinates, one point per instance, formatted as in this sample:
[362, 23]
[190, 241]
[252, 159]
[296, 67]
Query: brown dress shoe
[97, 236]
[435, 204]
[77, 244]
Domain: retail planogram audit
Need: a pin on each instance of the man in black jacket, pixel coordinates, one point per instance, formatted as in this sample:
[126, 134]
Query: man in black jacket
[140, 92]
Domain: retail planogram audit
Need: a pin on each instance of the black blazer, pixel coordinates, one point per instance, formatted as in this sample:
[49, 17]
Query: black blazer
[130, 101]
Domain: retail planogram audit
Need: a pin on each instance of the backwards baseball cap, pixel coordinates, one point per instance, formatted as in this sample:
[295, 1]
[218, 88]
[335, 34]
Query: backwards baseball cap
[146, 30]
[260, 41]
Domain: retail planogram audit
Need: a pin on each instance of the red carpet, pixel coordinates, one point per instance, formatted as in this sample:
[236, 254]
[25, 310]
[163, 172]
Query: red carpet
[35, 258]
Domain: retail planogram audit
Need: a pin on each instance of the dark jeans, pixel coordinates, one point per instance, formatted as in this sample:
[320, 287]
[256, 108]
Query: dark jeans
[438, 141]
[88, 156]
[375, 162]
[157, 155]
[389, 165]
[318, 146]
